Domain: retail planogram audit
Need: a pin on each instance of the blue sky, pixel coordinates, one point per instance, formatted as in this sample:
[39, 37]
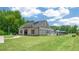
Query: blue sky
[54, 15]
[74, 12]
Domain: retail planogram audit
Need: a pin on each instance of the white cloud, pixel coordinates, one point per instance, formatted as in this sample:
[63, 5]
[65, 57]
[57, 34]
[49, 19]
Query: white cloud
[50, 20]
[27, 11]
[51, 13]
[57, 15]
[70, 21]
[61, 12]
[56, 24]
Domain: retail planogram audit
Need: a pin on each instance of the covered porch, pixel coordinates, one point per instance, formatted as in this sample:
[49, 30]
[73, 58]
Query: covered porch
[29, 31]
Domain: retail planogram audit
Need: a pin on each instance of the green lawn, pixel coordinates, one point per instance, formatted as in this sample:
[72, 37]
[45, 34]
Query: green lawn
[41, 43]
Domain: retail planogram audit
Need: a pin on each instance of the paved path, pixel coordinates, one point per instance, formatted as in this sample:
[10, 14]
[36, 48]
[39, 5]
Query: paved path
[14, 37]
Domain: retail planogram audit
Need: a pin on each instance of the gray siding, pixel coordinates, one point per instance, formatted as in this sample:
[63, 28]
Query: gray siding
[39, 28]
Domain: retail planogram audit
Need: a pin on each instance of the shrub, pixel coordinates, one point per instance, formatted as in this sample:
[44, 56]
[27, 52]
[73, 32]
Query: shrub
[2, 32]
[74, 35]
[77, 33]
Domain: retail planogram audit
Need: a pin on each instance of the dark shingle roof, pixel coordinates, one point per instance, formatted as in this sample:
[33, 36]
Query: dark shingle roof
[32, 24]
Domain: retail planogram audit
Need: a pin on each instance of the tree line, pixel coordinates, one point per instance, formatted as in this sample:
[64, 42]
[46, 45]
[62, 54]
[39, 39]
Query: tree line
[10, 21]
[67, 28]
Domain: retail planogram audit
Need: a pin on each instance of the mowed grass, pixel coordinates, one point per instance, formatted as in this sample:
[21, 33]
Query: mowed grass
[41, 43]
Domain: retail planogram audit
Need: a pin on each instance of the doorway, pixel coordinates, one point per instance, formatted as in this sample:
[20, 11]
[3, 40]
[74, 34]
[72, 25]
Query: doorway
[25, 32]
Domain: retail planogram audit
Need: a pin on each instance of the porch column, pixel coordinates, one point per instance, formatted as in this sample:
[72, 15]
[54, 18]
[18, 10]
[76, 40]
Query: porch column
[19, 31]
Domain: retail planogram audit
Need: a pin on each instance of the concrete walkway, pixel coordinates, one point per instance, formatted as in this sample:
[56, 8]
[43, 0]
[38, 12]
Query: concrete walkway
[14, 37]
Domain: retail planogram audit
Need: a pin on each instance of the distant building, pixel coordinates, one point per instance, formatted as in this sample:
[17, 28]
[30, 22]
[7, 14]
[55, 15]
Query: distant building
[36, 28]
[58, 32]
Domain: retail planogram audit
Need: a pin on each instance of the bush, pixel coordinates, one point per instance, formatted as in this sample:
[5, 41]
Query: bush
[74, 35]
[2, 32]
[77, 33]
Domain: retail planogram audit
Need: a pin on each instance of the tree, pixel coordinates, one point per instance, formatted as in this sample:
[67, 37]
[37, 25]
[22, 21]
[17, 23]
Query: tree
[67, 28]
[10, 21]
[74, 29]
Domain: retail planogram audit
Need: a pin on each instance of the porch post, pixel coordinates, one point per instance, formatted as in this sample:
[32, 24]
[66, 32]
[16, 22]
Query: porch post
[19, 32]
[23, 31]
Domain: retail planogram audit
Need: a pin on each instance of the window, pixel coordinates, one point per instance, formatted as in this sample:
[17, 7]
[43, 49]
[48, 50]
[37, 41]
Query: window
[32, 31]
